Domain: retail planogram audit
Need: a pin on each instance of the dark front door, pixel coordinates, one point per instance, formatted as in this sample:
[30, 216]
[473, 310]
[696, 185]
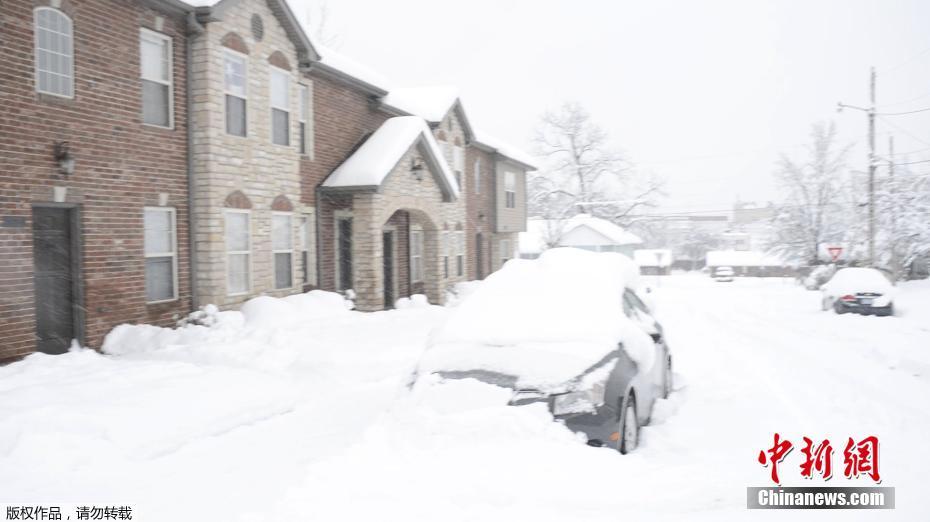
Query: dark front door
[478, 256]
[54, 263]
[345, 253]
[387, 239]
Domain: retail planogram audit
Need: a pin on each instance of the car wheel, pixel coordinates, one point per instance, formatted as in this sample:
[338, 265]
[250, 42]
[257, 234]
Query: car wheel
[839, 307]
[667, 382]
[629, 426]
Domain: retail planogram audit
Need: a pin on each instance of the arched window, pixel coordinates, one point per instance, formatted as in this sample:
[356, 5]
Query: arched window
[54, 52]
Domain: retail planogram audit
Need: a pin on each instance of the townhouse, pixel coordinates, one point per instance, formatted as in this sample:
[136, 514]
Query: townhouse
[93, 170]
[216, 155]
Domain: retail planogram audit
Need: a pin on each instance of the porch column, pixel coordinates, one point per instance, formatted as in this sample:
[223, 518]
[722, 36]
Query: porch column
[367, 253]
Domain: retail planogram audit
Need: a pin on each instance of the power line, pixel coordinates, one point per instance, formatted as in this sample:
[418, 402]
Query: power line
[902, 113]
[906, 62]
[905, 131]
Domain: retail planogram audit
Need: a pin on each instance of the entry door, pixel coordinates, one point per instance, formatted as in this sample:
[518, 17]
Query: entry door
[54, 266]
[479, 255]
[345, 253]
[387, 239]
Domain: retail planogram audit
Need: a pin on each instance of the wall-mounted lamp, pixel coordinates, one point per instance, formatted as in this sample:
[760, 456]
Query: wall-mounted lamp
[64, 158]
[417, 170]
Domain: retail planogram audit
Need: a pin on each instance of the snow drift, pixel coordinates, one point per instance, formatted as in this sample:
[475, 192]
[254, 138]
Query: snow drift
[563, 311]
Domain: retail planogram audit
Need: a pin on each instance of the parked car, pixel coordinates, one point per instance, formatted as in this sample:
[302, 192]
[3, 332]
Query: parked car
[859, 290]
[723, 274]
[585, 346]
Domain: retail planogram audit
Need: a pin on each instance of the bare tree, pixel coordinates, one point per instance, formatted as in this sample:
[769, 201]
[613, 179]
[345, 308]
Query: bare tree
[815, 204]
[583, 173]
[318, 15]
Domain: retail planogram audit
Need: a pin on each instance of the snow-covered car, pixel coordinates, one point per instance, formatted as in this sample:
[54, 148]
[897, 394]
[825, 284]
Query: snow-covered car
[860, 290]
[723, 274]
[566, 330]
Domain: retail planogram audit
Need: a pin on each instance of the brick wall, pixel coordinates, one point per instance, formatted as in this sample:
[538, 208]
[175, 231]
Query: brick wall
[121, 165]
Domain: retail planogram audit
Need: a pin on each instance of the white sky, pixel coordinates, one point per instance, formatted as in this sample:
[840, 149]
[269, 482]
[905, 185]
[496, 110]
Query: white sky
[705, 93]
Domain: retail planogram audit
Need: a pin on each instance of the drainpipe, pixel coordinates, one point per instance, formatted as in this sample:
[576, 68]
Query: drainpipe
[194, 29]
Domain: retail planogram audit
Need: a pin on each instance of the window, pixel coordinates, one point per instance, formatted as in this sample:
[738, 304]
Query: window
[458, 165]
[236, 77]
[282, 248]
[305, 239]
[460, 253]
[446, 247]
[505, 251]
[161, 260]
[416, 255]
[155, 61]
[304, 119]
[280, 108]
[238, 252]
[54, 53]
[477, 174]
[510, 190]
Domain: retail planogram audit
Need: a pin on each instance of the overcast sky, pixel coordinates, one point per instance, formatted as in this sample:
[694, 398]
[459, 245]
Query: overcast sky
[705, 93]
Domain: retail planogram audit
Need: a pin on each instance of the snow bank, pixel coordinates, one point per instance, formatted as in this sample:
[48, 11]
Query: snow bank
[414, 301]
[563, 311]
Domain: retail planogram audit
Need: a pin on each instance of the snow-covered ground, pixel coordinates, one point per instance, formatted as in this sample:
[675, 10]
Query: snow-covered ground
[267, 416]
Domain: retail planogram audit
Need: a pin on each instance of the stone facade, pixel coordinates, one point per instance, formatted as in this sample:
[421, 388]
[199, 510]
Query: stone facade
[224, 163]
[121, 166]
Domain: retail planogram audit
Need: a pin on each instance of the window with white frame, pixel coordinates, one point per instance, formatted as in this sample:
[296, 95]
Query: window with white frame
[161, 254]
[510, 190]
[156, 72]
[446, 248]
[305, 238]
[477, 174]
[460, 253]
[238, 252]
[458, 165]
[54, 48]
[282, 247]
[280, 106]
[236, 78]
[304, 119]
[416, 255]
[505, 252]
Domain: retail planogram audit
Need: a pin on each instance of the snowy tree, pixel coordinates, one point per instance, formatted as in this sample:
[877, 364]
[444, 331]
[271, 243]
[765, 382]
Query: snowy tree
[583, 173]
[319, 16]
[902, 202]
[815, 206]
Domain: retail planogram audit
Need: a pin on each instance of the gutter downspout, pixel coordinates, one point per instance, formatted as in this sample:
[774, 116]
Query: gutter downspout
[194, 29]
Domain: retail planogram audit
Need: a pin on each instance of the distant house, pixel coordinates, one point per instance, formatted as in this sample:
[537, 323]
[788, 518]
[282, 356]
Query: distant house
[748, 263]
[654, 261]
[581, 231]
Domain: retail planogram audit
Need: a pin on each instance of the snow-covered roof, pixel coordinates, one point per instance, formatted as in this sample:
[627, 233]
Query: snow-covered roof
[430, 103]
[741, 258]
[661, 257]
[505, 149]
[331, 59]
[373, 161]
[543, 232]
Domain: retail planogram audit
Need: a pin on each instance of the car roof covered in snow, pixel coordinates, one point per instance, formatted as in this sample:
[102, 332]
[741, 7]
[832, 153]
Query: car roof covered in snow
[859, 279]
[544, 321]
[371, 163]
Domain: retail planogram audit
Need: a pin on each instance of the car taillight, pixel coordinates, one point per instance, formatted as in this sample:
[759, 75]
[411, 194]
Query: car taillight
[848, 298]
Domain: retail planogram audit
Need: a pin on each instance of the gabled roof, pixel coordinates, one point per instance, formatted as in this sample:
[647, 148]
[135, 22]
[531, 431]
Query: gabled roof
[542, 233]
[492, 144]
[338, 65]
[370, 164]
[432, 103]
[213, 9]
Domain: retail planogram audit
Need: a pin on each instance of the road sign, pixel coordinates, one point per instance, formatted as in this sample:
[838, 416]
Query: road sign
[835, 252]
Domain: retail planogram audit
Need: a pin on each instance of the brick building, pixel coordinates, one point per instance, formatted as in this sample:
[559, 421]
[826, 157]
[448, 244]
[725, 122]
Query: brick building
[93, 170]
[157, 156]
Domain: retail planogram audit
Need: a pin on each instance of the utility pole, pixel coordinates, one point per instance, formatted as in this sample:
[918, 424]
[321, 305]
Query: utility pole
[872, 169]
[893, 199]
[872, 166]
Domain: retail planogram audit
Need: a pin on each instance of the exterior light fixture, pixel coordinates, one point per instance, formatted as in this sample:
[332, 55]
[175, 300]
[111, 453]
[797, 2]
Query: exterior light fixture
[417, 170]
[64, 158]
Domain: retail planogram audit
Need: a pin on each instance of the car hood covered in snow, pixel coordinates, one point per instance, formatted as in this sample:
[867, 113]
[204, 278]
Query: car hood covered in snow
[544, 321]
